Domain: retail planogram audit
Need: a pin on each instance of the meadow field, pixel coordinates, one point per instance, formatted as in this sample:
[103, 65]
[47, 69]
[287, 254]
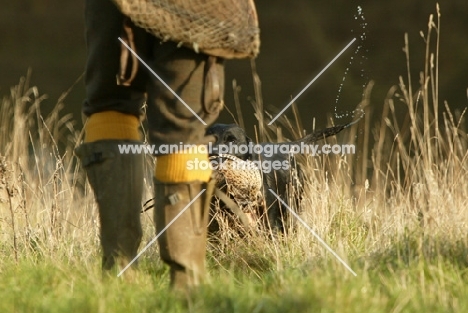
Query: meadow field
[395, 212]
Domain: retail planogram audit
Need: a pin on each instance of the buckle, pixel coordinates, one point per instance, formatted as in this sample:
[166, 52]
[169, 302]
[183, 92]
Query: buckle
[174, 198]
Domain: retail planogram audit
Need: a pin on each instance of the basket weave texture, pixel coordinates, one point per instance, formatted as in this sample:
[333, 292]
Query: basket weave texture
[223, 28]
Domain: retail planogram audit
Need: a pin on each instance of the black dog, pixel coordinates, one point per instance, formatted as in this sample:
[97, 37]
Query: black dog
[286, 179]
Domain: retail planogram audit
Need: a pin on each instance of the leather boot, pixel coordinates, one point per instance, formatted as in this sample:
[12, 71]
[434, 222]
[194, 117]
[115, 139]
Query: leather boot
[183, 245]
[117, 182]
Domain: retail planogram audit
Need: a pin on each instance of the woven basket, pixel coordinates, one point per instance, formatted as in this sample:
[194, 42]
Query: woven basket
[223, 28]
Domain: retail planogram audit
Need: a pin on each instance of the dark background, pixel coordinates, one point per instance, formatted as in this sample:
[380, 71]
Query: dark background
[299, 38]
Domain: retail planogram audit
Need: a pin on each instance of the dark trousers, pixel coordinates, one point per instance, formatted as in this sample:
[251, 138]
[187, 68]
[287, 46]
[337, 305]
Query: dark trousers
[116, 81]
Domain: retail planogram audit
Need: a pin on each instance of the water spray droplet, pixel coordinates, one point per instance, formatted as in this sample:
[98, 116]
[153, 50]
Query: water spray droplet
[362, 38]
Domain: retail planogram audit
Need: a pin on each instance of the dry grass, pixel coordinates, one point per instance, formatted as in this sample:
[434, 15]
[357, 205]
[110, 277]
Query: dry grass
[396, 211]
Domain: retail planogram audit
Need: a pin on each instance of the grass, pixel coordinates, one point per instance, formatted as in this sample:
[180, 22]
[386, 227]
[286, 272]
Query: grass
[401, 226]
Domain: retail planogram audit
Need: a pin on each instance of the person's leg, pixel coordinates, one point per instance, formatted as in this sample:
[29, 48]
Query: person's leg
[199, 81]
[115, 95]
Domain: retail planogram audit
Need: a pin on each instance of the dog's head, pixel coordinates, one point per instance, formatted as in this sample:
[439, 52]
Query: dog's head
[230, 137]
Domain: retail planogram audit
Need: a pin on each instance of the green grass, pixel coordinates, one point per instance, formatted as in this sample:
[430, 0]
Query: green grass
[384, 284]
[402, 227]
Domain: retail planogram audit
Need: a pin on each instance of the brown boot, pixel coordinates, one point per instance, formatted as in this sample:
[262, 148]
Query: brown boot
[183, 244]
[117, 182]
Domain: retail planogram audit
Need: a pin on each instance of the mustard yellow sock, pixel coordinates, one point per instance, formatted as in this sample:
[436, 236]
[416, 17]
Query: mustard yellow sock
[111, 125]
[183, 167]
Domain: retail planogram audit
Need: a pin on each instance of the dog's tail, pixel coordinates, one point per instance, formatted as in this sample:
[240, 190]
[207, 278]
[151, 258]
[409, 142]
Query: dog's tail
[327, 132]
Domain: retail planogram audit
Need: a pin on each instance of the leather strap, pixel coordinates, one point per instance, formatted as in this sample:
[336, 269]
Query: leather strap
[223, 197]
[122, 78]
[213, 98]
